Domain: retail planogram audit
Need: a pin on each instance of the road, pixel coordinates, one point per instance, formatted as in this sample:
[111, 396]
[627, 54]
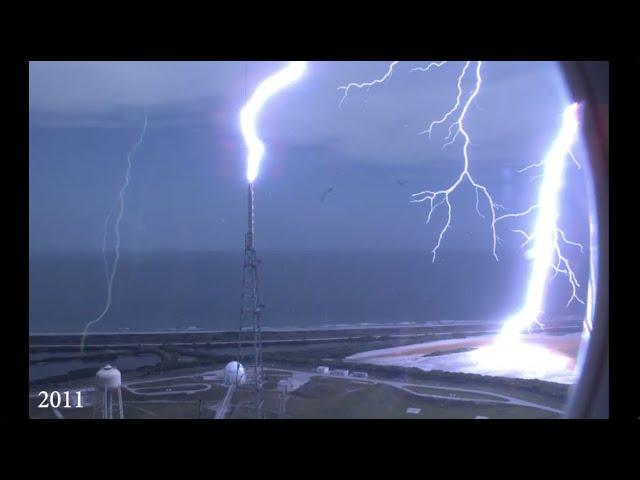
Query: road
[500, 398]
[216, 377]
[221, 411]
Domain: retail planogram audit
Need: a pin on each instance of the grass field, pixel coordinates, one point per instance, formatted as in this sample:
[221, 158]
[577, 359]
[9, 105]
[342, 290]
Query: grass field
[331, 398]
[321, 398]
[445, 392]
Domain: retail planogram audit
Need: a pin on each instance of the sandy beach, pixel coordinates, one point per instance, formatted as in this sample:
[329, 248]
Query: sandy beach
[541, 356]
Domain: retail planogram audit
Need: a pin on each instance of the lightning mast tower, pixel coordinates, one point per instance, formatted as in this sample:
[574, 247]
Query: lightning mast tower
[250, 306]
[250, 312]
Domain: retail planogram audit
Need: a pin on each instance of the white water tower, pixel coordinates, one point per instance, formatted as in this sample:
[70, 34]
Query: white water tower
[108, 385]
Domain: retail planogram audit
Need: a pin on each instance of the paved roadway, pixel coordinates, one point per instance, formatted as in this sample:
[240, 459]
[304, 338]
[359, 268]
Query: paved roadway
[303, 376]
[500, 398]
[223, 408]
[137, 386]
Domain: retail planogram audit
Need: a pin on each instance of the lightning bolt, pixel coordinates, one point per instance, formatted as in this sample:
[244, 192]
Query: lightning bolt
[377, 81]
[456, 116]
[111, 272]
[547, 237]
[428, 67]
[249, 114]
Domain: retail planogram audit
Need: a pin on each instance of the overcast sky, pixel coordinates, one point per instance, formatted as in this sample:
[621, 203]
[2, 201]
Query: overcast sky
[187, 180]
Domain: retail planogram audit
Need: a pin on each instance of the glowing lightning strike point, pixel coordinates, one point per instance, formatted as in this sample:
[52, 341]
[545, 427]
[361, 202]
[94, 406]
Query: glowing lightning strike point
[546, 233]
[249, 114]
[111, 275]
[346, 88]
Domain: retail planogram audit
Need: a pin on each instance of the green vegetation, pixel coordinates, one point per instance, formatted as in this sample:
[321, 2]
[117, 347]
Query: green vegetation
[322, 397]
[329, 398]
[458, 394]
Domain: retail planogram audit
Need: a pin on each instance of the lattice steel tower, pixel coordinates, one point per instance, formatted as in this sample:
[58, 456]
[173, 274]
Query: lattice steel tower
[250, 309]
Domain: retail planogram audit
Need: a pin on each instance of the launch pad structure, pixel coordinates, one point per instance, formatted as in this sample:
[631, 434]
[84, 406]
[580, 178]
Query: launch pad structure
[251, 308]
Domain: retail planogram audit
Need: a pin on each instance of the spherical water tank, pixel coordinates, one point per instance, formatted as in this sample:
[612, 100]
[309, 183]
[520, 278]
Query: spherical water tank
[108, 377]
[234, 373]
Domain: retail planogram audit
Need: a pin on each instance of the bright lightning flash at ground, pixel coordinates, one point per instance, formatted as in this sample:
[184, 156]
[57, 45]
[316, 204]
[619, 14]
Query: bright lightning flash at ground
[121, 203]
[249, 114]
[526, 359]
[511, 350]
[546, 254]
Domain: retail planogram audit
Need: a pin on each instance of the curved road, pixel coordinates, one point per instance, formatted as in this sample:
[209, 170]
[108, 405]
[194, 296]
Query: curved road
[501, 399]
[303, 376]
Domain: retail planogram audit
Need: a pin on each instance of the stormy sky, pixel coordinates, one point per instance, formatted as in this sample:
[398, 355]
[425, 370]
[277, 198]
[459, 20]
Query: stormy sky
[187, 188]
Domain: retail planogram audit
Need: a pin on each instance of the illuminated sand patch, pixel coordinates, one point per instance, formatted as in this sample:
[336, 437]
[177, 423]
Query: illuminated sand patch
[541, 356]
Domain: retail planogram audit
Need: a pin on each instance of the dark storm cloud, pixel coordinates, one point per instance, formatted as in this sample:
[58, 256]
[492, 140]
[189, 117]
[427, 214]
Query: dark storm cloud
[201, 112]
[188, 185]
[98, 87]
[378, 125]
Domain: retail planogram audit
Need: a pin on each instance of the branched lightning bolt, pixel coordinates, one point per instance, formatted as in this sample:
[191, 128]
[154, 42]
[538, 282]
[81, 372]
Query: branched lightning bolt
[269, 87]
[547, 237]
[111, 273]
[437, 198]
[453, 109]
[348, 87]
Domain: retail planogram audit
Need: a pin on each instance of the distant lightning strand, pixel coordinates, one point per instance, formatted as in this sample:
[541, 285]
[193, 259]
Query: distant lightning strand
[104, 240]
[348, 87]
[428, 67]
[111, 275]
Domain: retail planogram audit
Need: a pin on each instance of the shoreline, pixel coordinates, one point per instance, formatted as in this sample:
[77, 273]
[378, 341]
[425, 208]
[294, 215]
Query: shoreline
[540, 356]
[292, 329]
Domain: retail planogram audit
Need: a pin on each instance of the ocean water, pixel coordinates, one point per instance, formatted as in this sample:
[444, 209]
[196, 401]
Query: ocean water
[42, 370]
[178, 290]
